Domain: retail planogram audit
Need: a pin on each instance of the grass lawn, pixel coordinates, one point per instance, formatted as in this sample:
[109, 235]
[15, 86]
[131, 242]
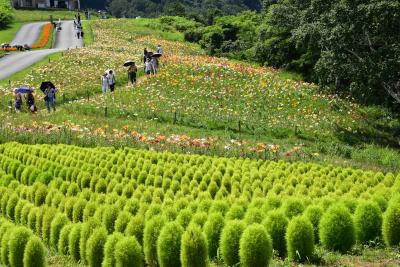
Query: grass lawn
[7, 35]
[42, 15]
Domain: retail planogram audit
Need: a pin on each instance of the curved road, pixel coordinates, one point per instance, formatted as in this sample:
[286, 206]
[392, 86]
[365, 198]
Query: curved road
[15, 62]
[28, 34]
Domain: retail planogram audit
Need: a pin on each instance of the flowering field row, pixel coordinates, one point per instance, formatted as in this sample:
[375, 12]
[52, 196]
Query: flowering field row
[104, 206]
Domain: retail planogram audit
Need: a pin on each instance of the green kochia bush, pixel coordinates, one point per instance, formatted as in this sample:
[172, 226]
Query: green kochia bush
[55, 229]
[300, 239]
[109, 249]
[230, 241]
[73, 242]
[95, 247]
[18, 240]
[368, 221]
[169, 245]
[314, 213]
[128, 253]
[193, 248]
[35, 253]
[5, 248]
[85, 233]
[212, 230]
[336, 229]
[255, 247]
[276, 224]
[391, 225]
[136, 228]
[151, 233]
[64, 239]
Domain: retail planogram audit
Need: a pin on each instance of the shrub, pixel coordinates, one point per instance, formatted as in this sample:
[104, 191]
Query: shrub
[212, 230]
[55, 229]
[255, 247]
[230, 241]
[150, 236]
[11, 204]
[95, 247]
[236, 212]
[18, 240]
[48, 216]
[367, 221]
[391, 225]
[169, 245]
[314, 213]
[193, 248]
[109, 249]
[300, 239]
[292, 207]
[78, 209]
[276, 224]
[109, 217]
[136, 228]
[128, 253]
[336, 229]
[86, 231]
[5, 249]
[253, 215]
[35, 253]
[184, 217]
[73, 242]
[122, 221]
[64, 239]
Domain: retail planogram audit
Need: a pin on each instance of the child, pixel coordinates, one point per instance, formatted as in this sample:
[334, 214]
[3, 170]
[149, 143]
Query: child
[104, 83]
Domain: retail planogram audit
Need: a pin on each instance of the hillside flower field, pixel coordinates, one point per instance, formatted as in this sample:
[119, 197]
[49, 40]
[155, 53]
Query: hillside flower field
[110, 207]
[198, 96]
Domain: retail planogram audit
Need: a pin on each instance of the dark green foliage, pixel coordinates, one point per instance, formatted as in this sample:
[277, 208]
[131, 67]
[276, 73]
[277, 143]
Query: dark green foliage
[212, 230]
[35, 253]
[255, 247]
[336, 229]
[55, 229]
[276, 224]
[391, 225]
[300, 239]
[230, 241]
[150, 237]
[18, 239]
[193, 248]
[128, 253]
[169, 245]
[73, 242]
[62, 246]
[43, 177]
[368, 221]
[95, 247]
[109, 249]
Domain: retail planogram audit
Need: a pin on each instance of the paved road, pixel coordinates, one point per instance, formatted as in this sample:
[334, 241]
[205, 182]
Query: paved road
[28, 34]
[18, 61]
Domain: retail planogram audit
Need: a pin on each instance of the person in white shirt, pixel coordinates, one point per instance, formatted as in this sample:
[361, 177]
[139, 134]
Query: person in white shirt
[159, 49]
[104, 83]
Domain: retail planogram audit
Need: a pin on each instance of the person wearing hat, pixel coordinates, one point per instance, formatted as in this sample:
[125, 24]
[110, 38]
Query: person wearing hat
[18, 100]
[132, 72]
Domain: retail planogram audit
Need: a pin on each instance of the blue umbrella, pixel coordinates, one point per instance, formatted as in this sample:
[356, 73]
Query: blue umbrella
[24, 90]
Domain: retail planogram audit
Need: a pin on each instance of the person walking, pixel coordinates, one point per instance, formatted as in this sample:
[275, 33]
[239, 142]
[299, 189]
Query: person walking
[159, 49]
[132, 73]
[50, 98]
[30, 102]
[111, 80]
[18, 101]
[104, 83]
[148, 66]
[145, 55]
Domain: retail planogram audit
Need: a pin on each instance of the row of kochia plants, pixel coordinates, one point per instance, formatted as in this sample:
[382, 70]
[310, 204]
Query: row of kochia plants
[109, 207]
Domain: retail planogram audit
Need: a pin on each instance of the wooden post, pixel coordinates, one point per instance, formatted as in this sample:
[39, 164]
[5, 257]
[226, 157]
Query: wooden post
[239, 126]
[105, 112]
